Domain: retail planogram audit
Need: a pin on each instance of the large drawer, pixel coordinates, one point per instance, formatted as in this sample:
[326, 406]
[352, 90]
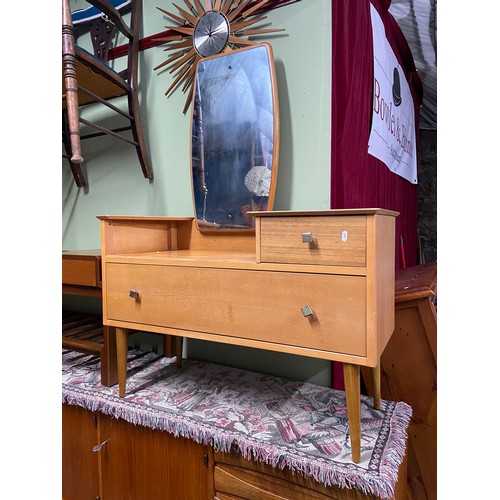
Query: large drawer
[336, 241]
[249, 304]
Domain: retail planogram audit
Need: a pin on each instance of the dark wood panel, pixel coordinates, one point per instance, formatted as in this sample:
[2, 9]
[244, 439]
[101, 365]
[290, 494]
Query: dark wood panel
[243, 479]
[80, 479]
[253, 485]
[145, 464]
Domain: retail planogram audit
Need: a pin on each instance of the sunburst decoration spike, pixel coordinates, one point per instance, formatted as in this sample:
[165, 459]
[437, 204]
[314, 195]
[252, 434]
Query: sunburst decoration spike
[208, 27]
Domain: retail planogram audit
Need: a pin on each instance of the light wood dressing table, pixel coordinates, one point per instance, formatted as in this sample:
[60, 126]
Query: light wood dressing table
[313, 283]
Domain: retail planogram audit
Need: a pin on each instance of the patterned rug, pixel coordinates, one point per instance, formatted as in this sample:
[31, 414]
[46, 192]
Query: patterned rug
[275, 420]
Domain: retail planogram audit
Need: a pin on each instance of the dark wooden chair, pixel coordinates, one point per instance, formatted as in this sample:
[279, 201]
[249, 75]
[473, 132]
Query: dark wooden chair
[89, 81]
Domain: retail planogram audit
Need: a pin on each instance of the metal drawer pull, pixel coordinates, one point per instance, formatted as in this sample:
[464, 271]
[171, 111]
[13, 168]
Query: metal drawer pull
[307, 311]
[98, 447]
[134, 294]
[307, 237]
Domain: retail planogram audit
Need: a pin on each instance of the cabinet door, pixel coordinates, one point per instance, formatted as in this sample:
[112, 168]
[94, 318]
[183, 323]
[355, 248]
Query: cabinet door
[79, 462]
[144, 464]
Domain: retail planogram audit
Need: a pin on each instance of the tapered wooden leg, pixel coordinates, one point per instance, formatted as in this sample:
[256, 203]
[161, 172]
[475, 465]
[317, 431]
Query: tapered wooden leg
[121, 359]
[353, 394]
[109, 373]
[172, 346]
[178, 350]
[376, 386]
[168, 346]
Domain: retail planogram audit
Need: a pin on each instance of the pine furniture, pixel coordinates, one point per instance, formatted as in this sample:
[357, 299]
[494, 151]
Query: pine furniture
[409, 371]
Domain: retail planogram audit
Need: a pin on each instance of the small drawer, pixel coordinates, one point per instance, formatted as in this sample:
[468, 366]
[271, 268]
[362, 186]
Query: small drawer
[318, 240]
[84, 270]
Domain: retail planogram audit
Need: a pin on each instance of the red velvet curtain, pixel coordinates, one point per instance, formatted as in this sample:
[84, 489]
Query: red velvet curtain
[357, 178]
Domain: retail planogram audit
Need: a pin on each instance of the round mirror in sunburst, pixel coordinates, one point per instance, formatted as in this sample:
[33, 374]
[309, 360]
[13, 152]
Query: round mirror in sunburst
[206, 28]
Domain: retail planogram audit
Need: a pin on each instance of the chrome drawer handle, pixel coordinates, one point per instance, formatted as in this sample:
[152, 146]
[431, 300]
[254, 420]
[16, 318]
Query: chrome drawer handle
[307, 311]
[134, 294]
[307, 237]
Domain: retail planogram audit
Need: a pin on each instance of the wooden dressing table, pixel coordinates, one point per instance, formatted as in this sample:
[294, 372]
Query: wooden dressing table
[313, 283]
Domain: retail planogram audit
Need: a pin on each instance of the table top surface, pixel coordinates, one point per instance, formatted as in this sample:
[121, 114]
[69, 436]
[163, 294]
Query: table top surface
[421, 279]
[82, 253]
[265, 213]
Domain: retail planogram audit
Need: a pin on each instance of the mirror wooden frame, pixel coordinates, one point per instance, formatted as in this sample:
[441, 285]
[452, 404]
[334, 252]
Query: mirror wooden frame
[223, 126]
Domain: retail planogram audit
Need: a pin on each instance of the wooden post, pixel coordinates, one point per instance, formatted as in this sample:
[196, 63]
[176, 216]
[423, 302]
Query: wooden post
[70, 82]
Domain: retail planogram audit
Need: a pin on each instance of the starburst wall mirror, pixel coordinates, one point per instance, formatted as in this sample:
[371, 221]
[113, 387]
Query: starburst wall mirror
[234, 137]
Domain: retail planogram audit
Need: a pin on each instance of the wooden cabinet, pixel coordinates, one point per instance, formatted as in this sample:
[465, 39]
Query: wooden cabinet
[106, 458]
[110, 459]
[314, 283]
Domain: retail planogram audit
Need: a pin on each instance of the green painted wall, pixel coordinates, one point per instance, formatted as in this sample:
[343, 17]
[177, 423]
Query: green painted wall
[117, 187]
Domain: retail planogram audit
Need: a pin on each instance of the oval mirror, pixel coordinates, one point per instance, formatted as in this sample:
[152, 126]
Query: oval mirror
[234, 137]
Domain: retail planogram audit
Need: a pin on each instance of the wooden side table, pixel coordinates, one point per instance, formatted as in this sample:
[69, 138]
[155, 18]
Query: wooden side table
[81, 275]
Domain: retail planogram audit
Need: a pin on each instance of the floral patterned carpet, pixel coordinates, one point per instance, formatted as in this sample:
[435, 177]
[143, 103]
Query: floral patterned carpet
[279, 421]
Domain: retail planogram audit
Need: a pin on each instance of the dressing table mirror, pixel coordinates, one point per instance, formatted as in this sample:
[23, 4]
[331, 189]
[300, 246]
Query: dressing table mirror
[234, 138]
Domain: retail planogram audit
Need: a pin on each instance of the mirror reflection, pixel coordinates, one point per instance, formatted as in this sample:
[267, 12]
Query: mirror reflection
[234, 137]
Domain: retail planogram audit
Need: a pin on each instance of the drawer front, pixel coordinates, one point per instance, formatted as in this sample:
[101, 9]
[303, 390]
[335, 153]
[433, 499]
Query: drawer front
[257, 305]
[81, 272]
[336, 241]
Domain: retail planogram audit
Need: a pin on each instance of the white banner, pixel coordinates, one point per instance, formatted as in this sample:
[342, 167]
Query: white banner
[392, 137]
